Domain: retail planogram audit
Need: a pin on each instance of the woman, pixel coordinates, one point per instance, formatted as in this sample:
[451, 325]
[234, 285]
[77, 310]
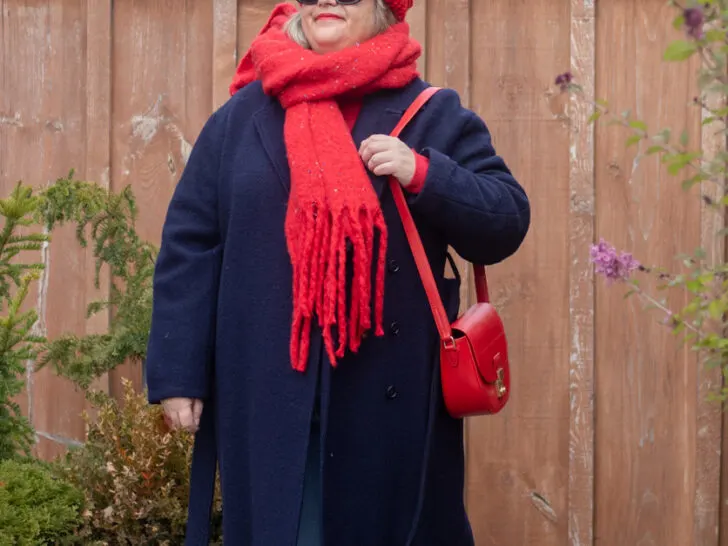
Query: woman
[286, 300]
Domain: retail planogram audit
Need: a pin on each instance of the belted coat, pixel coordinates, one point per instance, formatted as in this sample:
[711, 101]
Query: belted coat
[391, 456]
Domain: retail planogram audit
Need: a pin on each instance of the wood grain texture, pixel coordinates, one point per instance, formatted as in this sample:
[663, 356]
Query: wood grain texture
[98, 144]
[252, 15]
[225, 43]
[448, 65]
[518, 461]
[42, 125]
[157, 82]
[646, 379]
[581, 279]
[201, 69]
[707, 506]
[119, 90]
[417, 19]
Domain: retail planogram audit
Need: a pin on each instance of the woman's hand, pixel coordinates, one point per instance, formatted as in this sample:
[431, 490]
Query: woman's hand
[183, 413]
[389, 156]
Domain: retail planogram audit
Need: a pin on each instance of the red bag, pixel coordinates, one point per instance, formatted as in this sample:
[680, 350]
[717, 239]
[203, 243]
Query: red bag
[474, 367]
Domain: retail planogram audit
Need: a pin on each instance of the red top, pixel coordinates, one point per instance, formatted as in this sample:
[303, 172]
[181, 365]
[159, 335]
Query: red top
[350, 111]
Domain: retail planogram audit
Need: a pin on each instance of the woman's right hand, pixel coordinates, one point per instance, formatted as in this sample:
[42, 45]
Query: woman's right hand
[183, 413]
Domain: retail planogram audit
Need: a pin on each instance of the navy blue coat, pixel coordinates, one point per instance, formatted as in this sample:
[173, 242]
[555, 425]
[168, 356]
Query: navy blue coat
[392, 460]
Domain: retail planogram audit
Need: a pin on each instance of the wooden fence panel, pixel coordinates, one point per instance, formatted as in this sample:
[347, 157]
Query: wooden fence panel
[518, 461]
[120, 90]
[162, 95]
[43, 123]
[646, 381]
[581, 279]
[98, 141]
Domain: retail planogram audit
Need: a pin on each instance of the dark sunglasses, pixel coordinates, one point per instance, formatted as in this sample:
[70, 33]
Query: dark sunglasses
[342, 2]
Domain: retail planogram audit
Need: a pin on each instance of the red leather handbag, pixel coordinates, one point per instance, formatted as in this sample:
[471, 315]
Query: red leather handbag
[474, 367]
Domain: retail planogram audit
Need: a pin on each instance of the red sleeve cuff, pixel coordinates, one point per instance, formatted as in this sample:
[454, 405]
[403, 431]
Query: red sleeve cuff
[422, 164]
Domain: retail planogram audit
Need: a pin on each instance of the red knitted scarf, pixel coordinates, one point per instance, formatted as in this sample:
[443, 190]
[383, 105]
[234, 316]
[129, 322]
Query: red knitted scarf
[332, 201]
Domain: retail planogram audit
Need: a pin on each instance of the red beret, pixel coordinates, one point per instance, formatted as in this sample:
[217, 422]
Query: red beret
[399, 7]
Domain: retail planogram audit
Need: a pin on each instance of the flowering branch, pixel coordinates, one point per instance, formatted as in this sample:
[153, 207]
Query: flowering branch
[704, 318]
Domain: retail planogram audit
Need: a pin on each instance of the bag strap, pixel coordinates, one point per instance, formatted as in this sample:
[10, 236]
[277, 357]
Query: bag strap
[415, 242]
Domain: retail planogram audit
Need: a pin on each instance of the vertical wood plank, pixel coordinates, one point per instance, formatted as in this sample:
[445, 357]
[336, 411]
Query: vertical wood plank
[448, 65]
[417, 19]
[150, 104]
[448, 45]
[98, 140]
[581, 278]
[707, 506]
[200, 71]
[225, 43]
[44, 66]
[518, 461]
[252, 15]
[645, 377]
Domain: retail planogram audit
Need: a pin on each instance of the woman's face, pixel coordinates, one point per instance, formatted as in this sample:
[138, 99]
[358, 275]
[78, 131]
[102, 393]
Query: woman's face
[329, 26]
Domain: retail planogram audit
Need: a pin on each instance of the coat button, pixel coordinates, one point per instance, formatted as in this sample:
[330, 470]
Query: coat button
[393, 266]
[391, 392]
[394, 328]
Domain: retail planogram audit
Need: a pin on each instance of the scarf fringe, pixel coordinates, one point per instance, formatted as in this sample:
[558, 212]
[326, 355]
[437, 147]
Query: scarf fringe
[320, 256]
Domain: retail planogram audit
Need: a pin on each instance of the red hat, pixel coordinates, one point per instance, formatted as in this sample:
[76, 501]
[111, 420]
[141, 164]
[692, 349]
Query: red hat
[399, 7]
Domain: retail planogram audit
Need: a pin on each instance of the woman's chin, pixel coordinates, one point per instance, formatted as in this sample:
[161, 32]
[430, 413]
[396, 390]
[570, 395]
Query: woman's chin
[330, 41]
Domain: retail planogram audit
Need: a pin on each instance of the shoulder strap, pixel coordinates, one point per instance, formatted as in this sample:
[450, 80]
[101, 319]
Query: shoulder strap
[413, 237]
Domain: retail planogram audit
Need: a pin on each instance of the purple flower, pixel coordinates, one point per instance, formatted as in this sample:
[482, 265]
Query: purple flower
[694, 19]
[563, 80]
[613, 266]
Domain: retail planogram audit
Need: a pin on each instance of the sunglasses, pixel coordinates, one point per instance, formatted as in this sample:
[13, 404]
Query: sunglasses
[341, 2]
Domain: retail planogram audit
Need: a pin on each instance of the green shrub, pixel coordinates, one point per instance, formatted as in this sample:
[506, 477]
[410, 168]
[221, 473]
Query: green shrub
[18, 342]
[134, 473]
[36, 507]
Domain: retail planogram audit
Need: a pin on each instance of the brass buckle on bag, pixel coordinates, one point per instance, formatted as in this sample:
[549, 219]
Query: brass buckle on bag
[449, 343]
[500, 387]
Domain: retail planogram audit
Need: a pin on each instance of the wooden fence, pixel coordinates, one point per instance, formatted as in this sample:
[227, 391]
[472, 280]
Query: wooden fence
[608, 439]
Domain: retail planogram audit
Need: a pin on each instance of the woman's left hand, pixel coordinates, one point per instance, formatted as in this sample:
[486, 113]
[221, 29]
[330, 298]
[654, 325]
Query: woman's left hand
[388, 156]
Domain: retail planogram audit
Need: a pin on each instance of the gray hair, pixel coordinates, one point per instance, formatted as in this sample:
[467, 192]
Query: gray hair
[383, 19]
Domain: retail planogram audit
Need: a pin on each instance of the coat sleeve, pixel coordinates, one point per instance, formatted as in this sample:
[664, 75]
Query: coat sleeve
[469, 193]
[186, 277]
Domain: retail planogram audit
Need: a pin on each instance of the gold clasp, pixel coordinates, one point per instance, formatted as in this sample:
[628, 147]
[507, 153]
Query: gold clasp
[500, 387]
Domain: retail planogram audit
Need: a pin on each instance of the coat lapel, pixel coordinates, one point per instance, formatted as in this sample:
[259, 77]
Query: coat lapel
[269, 122]
[380, 112]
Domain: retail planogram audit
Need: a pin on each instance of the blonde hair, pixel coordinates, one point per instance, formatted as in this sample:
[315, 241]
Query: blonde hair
[383, 19]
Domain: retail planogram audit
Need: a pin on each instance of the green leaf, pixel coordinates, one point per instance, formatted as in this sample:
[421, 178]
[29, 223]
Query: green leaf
[715, 309]
[676, 162]
[694, 285]
[715, 35]
[595, 116]
[663, 136]
[688, 184]
[633, 140]
[684, 138]
[679, 22]
[639, 125]
[680, 50]
[654, 149]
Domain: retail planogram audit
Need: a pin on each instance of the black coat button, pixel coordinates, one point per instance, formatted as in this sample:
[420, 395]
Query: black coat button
[391, 392]
[393, 266]
[394, 328]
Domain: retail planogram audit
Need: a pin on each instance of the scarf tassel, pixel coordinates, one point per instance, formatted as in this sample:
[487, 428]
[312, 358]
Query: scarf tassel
[320, 257]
